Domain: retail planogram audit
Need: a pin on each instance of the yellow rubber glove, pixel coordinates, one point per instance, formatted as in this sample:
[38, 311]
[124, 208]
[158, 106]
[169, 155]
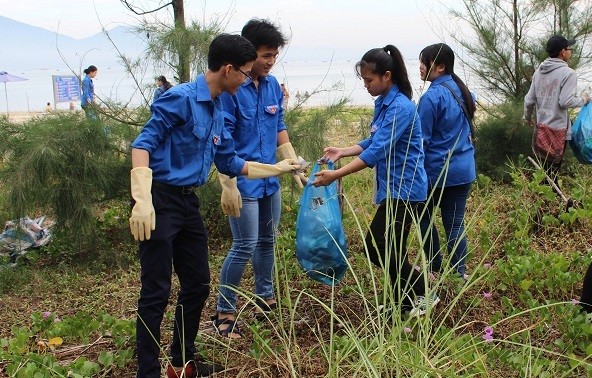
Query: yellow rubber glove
[286, 151]
[260, 170]
[143, 219]
[230, 200]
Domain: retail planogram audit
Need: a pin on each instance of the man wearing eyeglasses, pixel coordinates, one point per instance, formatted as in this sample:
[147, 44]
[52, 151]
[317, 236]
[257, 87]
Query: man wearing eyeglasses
[255, 119]
[552, 93]
[171, 157]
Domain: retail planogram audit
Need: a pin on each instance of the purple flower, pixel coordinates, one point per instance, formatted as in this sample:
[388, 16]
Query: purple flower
[575, 302]
[486, 295]
[407, 330]
[46, 314]
[487, 265]
[488, 334]
[57, 320]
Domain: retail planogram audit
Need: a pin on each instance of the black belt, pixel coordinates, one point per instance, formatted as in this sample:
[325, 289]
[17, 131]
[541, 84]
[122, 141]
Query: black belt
[174, 189]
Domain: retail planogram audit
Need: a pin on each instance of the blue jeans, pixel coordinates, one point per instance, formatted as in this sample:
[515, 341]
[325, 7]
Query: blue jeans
[452, 201]
[253, 236]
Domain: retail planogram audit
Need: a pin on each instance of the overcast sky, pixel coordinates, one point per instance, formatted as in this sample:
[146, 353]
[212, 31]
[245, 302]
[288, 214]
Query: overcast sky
[359, 24]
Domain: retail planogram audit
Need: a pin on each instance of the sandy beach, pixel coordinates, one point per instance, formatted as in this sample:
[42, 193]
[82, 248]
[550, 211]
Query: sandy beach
[19, 117]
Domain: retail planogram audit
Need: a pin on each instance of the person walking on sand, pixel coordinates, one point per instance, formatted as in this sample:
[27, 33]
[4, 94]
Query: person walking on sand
[88, 93]
[394, 149]
[552, 93]
[170, 158]
[446, 111]
[255, 119]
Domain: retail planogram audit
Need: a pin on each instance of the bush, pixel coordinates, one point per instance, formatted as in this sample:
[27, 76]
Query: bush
[501, 138]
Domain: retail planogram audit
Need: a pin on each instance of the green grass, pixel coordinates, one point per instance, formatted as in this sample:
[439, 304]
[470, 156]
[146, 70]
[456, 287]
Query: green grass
[527, 260]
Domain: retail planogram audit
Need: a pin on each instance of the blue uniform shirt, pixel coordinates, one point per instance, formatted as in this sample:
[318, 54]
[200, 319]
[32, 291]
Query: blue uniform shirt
[395, 149]
[446, 135]
[186, 134]
[254, 117]
[88, 91]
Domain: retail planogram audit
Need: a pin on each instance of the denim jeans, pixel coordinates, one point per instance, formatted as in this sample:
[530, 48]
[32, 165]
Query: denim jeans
[253, 236]
[452, 201]
[386, 241]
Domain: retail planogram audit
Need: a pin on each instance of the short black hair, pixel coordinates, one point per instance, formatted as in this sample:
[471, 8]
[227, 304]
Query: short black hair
[230, 49]
[263, 33]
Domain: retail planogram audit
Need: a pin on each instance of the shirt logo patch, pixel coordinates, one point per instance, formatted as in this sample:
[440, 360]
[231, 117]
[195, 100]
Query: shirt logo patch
[373, 128]
[271, 109]
[216, 140]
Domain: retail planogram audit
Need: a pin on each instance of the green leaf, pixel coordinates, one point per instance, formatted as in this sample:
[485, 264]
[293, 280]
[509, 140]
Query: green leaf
[526, 284]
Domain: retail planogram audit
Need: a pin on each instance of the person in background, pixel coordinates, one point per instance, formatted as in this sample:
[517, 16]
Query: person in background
[72, 105]
[286, 94]
[446, 111]
[394, 149]
[162, 85]
[552, 93]
[48, 107]
[88, 93]
[255, 119]
[170, 158]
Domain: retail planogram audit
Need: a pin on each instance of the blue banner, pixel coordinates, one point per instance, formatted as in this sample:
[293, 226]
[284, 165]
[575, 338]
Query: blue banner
[65, 88]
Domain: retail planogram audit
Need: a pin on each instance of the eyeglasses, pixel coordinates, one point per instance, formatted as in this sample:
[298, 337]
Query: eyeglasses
[569, 48]
[247, 76]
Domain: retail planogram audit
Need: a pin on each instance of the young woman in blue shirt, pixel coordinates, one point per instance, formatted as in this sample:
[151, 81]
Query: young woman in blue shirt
[395, 151]
[88, 92]
[449, 154]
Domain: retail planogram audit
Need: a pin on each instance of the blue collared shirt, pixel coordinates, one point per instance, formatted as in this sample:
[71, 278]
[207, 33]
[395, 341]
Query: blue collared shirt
[186, 134]
[254, 117]
[88, 91]
[395, 149]
[449, 153]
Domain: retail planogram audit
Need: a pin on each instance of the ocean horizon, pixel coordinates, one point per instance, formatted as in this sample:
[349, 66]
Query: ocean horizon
[326, 81]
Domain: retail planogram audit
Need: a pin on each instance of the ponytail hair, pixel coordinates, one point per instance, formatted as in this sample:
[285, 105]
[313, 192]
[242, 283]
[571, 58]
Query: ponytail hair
[441, 53]
[90, 69]
[388, 58]
[164, 82]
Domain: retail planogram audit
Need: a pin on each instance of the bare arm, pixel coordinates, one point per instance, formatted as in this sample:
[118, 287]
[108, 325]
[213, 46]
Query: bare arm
[140, 158]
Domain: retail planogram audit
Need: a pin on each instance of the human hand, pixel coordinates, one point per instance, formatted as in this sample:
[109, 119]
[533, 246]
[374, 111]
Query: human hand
[143, 217]
[331, 154]
[230, 199]
[324, 177]
[260, 170]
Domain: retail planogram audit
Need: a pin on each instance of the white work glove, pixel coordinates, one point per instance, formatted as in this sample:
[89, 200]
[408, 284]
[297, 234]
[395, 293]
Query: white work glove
[286, 151]
[143, 219]
[230, 200]
[260, 170]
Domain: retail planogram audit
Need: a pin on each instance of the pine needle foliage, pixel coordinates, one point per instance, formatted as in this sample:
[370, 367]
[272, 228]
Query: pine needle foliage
[61, 166]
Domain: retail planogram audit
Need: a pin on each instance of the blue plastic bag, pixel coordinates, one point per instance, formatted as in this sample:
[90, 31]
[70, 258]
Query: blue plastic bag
[320, 239]
[581, 136]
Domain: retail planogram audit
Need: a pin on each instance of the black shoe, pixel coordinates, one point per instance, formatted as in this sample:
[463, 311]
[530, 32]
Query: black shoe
[205, 369]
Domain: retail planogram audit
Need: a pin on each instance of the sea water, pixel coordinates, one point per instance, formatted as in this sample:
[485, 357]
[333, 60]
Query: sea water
[325, 81]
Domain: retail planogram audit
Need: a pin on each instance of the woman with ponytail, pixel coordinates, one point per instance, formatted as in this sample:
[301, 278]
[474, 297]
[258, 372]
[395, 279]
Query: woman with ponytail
[446, 111]
[88, 93]
[394, 150]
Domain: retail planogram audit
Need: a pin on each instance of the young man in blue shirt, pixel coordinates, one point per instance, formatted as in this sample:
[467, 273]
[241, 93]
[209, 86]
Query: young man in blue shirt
[173, 155]
[255, 118]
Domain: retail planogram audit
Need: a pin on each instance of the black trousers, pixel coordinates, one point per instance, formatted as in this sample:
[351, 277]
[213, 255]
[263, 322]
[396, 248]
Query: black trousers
[586, 300]
[180, 242]
[387, 248]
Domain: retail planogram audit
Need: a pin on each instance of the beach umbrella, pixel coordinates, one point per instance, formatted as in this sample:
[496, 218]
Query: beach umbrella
[5, 77]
